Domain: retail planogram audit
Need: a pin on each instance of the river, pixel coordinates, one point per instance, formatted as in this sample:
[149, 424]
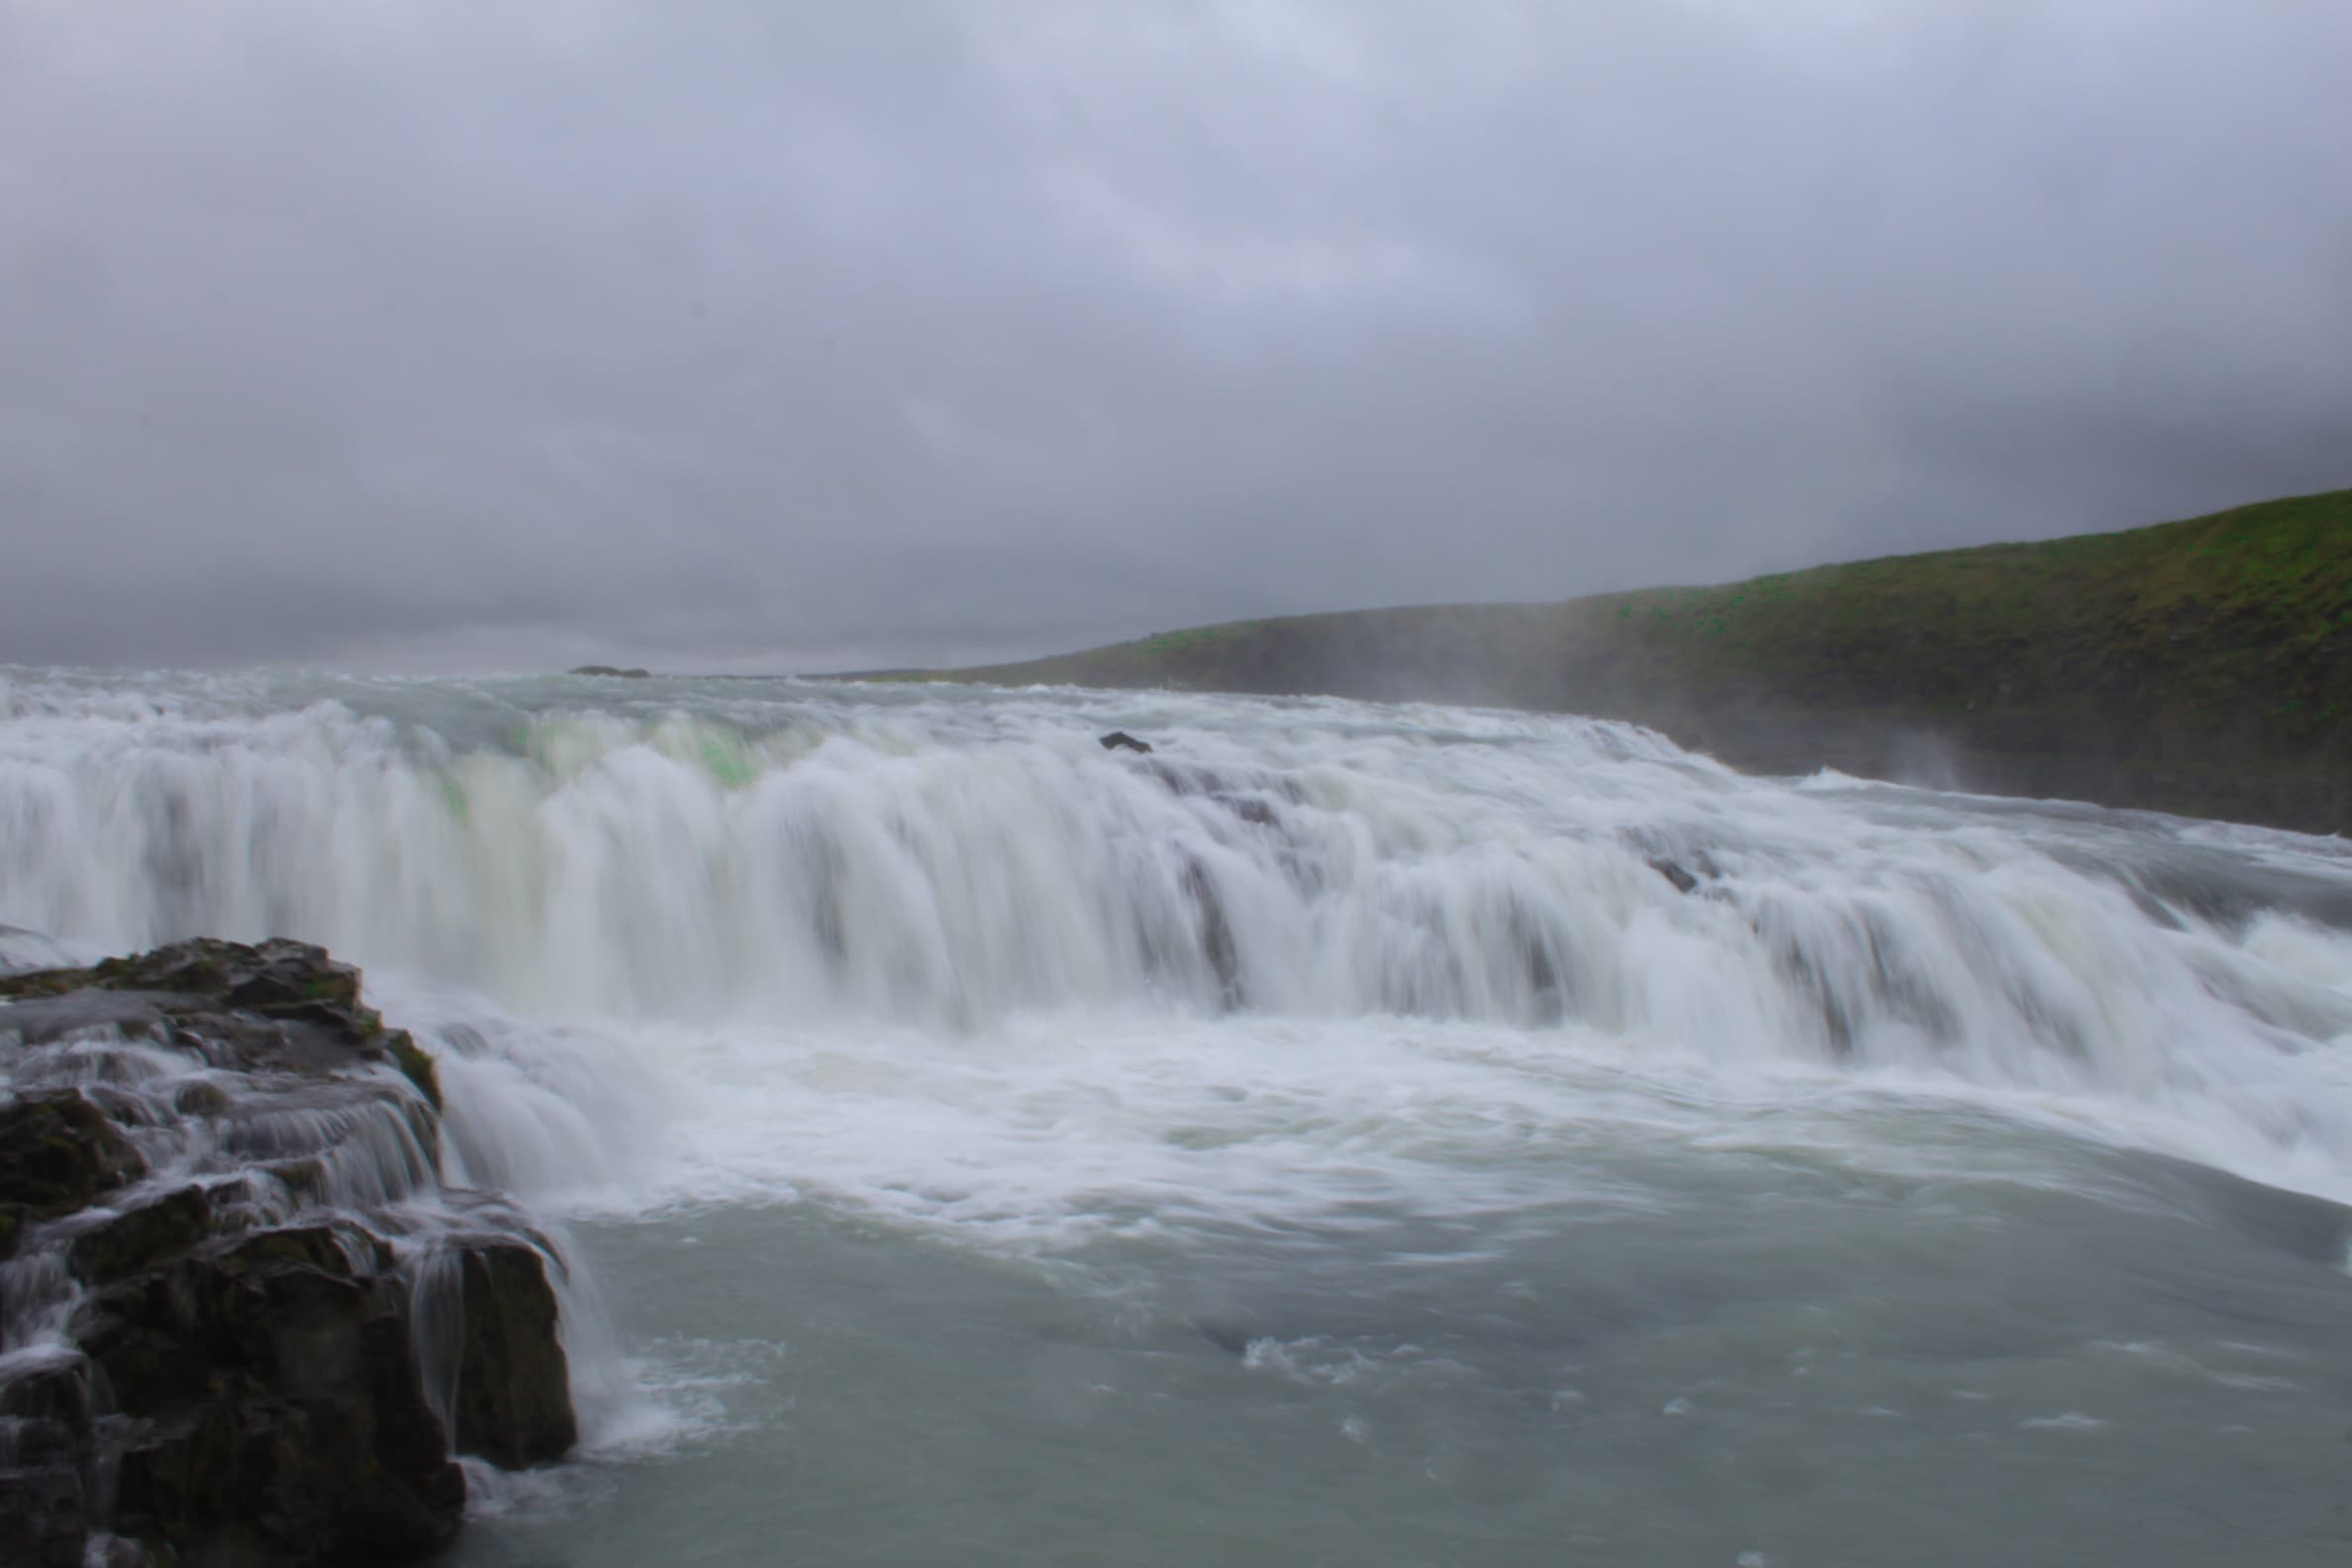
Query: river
[1337, 1136]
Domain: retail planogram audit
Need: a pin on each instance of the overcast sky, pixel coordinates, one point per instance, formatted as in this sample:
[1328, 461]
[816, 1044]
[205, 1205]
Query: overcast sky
[816, 334]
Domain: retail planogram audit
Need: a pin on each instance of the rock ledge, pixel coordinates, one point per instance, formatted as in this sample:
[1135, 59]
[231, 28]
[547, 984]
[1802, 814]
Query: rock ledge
[242, 1319]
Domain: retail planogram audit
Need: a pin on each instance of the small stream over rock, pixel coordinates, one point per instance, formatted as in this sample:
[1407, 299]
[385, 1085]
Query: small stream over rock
[242, 1316]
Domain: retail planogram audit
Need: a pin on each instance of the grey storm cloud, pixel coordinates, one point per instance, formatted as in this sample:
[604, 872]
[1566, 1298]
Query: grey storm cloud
[438, 334]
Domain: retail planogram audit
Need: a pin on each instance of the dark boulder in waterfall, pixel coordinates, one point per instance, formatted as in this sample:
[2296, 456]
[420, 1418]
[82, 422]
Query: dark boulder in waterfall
[59, 1151]
[45, 1411]
[219, 1180]
[140, 1237]
[1683, 881]
[280, 1411]
[514, 1385]
[1120, 740]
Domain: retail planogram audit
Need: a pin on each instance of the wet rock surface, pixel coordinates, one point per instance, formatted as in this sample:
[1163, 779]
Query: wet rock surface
[241, 1319]
[1673, 872]
[513, 1394]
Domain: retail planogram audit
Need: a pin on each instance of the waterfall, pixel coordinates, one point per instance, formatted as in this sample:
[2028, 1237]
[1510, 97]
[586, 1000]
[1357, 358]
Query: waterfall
[795, 856]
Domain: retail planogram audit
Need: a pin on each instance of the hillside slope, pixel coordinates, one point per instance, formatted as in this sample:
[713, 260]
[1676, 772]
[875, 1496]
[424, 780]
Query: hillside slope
[2202, 666]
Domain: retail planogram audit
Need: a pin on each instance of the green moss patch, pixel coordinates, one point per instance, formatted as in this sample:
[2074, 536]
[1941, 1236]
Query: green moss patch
[2202, 666]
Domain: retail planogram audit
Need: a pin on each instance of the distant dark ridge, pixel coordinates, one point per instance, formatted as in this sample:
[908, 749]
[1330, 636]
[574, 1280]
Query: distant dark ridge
[2202, 667]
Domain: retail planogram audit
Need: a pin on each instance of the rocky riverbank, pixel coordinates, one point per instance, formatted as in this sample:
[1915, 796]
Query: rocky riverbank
[242, 1316]
[2200, 667]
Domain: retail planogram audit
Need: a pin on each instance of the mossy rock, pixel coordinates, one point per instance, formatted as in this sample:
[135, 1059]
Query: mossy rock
[514, 1382]
[39, 983]
[314, 1246]
[43, 1517]
[356, 1475]
[267, 1402]
[275, 974]
[280, 1414]
[200, 1099]
[142, 1238]
[60, 1153]
[415, 1065]
[195, 968]
[46, 1477]
[304, 1177]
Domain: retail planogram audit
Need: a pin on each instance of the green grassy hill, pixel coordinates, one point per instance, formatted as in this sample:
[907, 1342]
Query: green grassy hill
[2202, 666]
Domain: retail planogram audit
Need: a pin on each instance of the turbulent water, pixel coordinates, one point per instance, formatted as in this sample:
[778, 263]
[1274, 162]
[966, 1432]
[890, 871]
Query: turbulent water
[1333, 1139]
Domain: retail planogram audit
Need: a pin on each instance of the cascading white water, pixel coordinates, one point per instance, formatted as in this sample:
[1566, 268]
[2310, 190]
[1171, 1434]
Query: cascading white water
[790, 855]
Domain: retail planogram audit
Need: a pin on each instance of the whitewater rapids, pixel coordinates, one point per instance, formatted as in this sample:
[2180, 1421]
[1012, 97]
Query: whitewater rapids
[1331, 1138]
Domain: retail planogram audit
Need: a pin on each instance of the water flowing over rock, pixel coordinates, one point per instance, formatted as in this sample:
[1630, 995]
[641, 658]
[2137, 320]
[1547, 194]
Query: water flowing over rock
[57, 1152]
[512, 1404]
[241, 1319]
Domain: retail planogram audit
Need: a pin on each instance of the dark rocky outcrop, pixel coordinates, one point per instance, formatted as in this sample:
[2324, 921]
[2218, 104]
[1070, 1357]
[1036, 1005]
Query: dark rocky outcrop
[1120, 740]
[57, 1152]
[514, 1393]
[282, 1007]
[608, 669]
[281, 1411]
[1683, 881]
[142, 1237]
[219, 1177]
[45, 1452]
